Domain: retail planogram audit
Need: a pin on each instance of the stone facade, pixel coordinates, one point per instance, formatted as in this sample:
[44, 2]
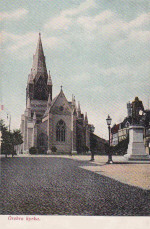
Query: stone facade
[49, 123]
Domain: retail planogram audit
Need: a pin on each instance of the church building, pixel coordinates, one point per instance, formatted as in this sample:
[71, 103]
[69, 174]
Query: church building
[51, 124]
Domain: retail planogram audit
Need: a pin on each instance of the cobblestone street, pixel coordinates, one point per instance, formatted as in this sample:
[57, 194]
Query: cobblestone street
[60, 186]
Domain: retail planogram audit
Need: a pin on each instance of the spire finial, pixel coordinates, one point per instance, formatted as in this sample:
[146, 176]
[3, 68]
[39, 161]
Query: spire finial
[61, 87]
[39, 34]
[78, 104]
[49, 101]
[79, 109]
[49, 80]
[28, 103]
[34, 116]
[86, 118]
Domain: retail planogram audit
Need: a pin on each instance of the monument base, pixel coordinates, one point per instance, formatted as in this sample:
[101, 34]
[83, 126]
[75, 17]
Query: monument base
[137, 157]
[136, 149]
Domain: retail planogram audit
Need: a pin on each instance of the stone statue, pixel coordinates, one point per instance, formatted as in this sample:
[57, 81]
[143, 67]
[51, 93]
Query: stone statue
[137, 111]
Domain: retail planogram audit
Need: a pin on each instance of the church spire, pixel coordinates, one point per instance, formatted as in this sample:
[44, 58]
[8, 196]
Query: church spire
[39, 84]
[86, 118]
[39, 65]
[79, 110]
[39, 49]
[74, 101]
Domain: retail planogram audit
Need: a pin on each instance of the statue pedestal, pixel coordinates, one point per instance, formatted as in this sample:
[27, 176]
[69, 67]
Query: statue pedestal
[136, 149]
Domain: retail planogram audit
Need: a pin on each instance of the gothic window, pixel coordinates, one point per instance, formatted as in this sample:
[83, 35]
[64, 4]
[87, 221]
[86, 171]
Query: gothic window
[127, 124]
[60, 131]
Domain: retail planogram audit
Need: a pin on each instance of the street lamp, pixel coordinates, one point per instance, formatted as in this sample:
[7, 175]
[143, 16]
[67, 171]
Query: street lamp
[92, 128]
[108, 120]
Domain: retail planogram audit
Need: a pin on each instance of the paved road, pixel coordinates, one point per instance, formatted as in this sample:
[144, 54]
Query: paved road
[56, 185]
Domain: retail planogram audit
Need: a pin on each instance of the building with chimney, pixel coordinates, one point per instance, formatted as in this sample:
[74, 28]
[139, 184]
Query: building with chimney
[51, 123]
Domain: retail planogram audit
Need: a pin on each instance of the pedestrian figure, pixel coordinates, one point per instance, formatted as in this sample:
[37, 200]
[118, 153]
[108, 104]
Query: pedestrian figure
[92, 155]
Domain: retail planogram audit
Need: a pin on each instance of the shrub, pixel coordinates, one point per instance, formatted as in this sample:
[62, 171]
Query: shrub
[53, 149]
[85, 148]
[42, 151]
[33, 150]
[121, 148]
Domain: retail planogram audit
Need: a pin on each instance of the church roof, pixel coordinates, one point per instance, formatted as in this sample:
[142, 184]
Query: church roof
[49, 107]
[39, 65]
[61, 94]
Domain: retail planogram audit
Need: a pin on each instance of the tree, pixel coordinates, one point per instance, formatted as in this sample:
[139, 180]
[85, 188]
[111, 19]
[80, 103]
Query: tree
[33, 150]
[9, 139]
[17, 137]
[53, 149]
[6, 145]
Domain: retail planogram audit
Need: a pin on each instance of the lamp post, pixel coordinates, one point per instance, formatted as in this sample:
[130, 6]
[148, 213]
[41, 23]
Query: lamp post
[9, 117]
[92, 128]
[108, 120]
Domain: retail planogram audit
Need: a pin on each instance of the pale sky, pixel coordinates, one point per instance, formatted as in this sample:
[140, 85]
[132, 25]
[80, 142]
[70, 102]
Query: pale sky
[99, 50]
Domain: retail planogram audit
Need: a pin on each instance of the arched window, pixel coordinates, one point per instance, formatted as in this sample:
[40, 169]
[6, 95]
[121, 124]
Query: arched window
[60, 131]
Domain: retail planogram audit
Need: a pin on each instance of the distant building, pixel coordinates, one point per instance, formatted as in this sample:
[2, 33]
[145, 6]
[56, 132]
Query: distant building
[114, 135]
[98, 145]
[147, 131]
[123, 131]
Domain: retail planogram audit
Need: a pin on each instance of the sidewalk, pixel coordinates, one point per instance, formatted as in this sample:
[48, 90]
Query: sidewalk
[131, 173]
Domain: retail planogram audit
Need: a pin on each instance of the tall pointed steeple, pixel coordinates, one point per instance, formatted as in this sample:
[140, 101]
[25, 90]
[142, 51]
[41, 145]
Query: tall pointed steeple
[39, 65]
[39, 84]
